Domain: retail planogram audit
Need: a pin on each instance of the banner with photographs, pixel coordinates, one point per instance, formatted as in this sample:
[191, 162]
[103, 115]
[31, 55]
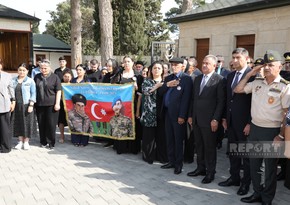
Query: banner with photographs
[99, 109]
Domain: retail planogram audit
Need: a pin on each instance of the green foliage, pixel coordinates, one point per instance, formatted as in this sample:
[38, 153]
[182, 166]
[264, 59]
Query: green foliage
[151, 25]
[132, 31]
[35, 27]
[60, 25]
[155, 28]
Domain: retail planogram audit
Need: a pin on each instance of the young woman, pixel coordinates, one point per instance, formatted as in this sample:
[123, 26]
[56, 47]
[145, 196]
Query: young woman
[81, 74]
[128, 75]
[66, 78]
[80, 139]
[23, 118]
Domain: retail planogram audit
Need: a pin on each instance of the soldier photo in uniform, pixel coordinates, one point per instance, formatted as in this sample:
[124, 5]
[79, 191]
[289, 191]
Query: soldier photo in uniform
[121, 125]
[79, 122]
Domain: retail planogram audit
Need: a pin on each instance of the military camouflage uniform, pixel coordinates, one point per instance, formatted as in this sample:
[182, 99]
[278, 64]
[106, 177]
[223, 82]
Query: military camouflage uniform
[121, 126]
[79, 123]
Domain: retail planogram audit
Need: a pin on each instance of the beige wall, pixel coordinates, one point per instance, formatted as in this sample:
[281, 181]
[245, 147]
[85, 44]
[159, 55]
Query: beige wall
[270, 26]
[52, 56]
[14, 25]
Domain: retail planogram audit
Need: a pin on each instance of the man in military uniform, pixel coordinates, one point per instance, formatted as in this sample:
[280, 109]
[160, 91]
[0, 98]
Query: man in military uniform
[79, 122]
[285, 72]
[121, 126]
[270, 101]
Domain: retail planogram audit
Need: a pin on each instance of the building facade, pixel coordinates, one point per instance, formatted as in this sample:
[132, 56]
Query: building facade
[223, 25]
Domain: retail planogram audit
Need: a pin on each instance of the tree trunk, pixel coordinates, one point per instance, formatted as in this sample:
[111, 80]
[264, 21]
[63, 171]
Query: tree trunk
[106, 26]
[76, 33]
[186, 6]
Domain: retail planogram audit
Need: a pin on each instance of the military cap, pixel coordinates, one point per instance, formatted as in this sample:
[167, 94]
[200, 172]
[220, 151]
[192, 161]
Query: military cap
[272, 56]
[259, 61]
[176, 60]
[287, 56]
[79, 98]
[117, 98]
[140, 63]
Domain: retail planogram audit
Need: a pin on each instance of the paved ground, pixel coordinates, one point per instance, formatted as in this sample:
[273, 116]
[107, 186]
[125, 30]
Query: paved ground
[97, 175]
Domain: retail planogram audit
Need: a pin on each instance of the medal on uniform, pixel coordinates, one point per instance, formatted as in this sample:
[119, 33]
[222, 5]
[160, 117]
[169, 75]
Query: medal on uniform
[271, 100]
[178, 88]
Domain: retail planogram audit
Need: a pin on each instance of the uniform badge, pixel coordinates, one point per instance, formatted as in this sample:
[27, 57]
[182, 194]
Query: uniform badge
[178, 88]
[271, 100]
[257, 88]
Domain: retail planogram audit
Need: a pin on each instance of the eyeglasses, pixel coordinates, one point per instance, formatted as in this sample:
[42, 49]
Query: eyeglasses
[218, 61]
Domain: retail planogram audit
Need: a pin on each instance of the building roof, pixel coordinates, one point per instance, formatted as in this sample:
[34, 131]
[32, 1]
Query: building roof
[46, 42]
[226, 7]
[6, 12]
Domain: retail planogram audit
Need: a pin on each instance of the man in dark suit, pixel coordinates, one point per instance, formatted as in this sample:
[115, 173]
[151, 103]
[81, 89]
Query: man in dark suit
[206, 110]
[238, 119]
[220, 69]
[177, 89]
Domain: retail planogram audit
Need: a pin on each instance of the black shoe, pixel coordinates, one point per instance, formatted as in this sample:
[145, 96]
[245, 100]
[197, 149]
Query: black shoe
[266, 203]
[251, 199]
[50, 146]
[281, 176]
[178, 170]
[208, 179]
[167, 166]
[243, 190]
[195, 173]
[188, 161]
[108, 144]
[229, 182]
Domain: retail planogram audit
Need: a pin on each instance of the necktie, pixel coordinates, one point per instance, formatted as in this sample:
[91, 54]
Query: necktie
[203, 83]
[167, 95]
[235, 83]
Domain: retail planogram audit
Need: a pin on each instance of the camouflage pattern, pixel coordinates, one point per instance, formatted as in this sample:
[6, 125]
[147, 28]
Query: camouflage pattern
[79, 123]
[121, 126]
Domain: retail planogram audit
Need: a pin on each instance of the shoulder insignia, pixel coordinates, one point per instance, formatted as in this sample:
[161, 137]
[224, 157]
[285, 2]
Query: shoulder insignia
[259, 78]
[284, 81]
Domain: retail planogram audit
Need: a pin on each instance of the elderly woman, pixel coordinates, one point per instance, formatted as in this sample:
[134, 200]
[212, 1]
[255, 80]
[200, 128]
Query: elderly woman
[7, 105]
[113, 69]
[23, 118]
[48, 94]
[79, 122]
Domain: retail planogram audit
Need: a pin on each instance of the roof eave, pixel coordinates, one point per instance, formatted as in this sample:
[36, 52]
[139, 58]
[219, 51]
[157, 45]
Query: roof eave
[19, 18]
[229, 11]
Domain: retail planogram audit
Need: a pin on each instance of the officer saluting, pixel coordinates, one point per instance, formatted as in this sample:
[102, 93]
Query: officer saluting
[270, 100]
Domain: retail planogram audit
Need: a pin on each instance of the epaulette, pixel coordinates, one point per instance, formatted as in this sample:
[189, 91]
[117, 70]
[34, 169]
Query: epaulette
[286, 82]
[259, 78]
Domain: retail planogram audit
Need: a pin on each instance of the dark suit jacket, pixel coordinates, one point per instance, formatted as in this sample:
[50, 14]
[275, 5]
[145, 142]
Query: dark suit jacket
[179, 97]
[225, 72]
[210, 103]
[238, 109]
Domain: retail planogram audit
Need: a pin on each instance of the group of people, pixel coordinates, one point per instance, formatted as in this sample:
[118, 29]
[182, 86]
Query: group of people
[180, 111]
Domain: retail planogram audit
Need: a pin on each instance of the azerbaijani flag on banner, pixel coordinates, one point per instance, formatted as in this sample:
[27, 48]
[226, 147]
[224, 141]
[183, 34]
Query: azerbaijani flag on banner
[100, 98]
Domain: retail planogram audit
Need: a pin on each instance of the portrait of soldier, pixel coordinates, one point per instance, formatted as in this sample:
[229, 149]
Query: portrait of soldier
[79, 122]
[121, 125]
